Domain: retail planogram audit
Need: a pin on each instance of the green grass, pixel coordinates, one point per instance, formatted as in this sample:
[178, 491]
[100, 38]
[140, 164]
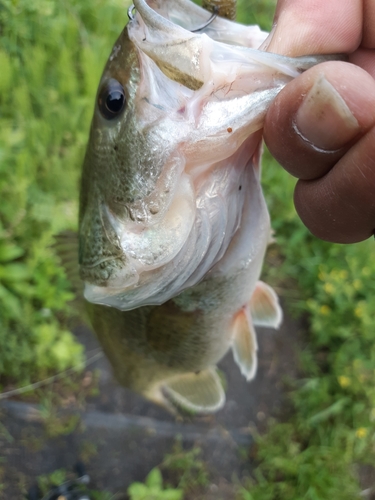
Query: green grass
[51, 57]
[317, 453]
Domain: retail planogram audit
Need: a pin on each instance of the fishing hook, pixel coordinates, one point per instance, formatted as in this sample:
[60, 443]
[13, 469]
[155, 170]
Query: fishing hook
[211, 19]
[130, 12]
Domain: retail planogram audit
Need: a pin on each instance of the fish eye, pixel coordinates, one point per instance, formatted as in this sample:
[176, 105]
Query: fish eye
[111, 99]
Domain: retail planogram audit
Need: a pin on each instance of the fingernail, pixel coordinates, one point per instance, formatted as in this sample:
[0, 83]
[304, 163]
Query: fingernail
[324, 118]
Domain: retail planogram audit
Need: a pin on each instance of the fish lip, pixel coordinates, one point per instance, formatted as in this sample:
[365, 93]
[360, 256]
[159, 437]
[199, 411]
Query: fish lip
[153, 19]
[101, 274]
[173, 48]
[99, 283]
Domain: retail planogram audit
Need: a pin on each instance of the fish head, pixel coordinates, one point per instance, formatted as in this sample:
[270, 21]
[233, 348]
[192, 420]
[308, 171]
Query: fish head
[176, 124]
[129, 204]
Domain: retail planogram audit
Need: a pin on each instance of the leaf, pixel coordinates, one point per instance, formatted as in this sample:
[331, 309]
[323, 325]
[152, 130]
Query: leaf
[9, 303]
[14, 272]
[138, 491]
[154, 479]
[9, 252]
[331, 411]
[172, 494]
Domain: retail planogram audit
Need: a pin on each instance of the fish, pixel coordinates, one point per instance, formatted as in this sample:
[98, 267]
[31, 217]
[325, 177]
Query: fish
[173, 225]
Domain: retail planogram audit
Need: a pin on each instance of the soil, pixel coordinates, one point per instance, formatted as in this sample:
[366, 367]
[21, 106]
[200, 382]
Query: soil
[122, 436]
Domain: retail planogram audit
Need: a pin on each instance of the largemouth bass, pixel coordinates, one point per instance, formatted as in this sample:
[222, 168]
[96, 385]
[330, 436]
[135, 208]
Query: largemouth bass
[173, 226]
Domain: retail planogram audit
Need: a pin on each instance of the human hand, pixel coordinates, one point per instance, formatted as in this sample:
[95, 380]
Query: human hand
[321, 127]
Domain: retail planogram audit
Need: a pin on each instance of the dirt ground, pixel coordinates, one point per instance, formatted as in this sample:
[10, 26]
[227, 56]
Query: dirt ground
[121, 436]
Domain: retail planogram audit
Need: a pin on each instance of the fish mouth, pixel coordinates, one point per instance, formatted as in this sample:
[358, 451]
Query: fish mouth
[110, 270]
[174, 49]
[161, 29]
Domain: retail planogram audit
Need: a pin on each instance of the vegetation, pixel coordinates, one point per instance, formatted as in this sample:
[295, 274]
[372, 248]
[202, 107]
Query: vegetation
[186, 477]
[153, 488]
[317, 453]
[186, 469]
[48, 482]
[51, 56]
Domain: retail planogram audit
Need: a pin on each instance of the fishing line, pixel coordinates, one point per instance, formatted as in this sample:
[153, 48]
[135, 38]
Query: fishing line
[36, 385]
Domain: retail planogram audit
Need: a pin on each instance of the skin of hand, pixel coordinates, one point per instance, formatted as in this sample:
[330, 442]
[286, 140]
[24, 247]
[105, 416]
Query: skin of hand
[321, 127]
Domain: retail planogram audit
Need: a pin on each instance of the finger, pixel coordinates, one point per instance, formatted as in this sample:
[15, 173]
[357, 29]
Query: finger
[365, 59]
[318, 116]
[340, 207]
[318, 27]
[368, 39]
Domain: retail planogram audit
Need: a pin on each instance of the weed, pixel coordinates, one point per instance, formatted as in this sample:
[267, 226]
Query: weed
[152, 489]
[47, 482]
[55, 478]
[88, 450]
[315, 455]
[186, 467]
[51, 58]
[185, 473]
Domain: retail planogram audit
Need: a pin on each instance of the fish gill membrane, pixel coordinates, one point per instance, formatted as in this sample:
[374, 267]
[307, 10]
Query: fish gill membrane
[173, 226]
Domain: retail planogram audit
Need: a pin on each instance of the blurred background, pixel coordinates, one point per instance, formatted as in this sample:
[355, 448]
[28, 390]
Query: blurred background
[319, 442]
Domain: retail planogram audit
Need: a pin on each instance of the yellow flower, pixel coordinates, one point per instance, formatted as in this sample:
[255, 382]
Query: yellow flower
[358, 311]
[361, 432]
[344, 381]
[329, 288]
[325, 310]
[357, 284]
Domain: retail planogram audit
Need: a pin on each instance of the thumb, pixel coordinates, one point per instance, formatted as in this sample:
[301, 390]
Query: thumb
[315, 27]
[319, 128]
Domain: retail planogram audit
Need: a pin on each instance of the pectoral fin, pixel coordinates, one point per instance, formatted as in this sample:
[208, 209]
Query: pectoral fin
[245, 344]
[264, 306]
[198, 392]
[66, 249]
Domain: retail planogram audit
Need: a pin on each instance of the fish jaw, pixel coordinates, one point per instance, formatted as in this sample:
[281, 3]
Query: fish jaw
[192, 59]
[148, 249]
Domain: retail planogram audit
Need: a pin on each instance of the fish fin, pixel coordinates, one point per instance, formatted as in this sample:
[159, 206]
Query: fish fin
[245, 344]
[264, 306]
[65, 247]
[200, 392]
